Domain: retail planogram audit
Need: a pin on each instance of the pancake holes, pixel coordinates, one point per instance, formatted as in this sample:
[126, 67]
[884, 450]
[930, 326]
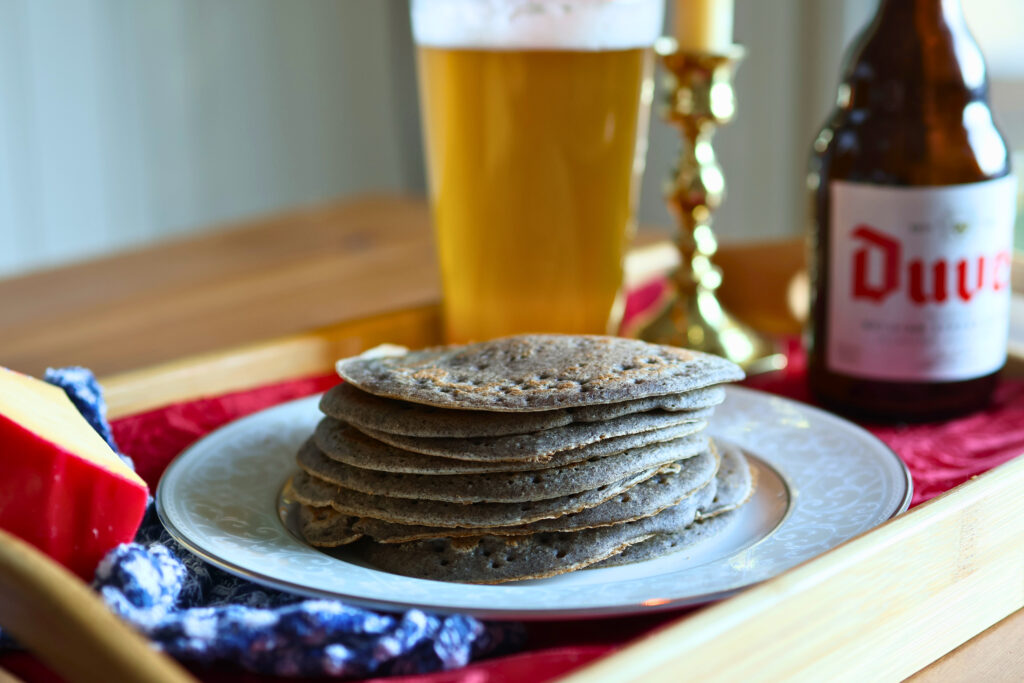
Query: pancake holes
[560, 554]
[510, 558]
[486, 553]
[497, 564]
[627, 368]
[638, 380]
[625, 498]
[538, 479]
[444, 563]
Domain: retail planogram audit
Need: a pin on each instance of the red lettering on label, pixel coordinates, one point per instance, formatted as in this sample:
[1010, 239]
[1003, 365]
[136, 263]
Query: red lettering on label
[1001, 271]
[917, 285]
[962, 288]
[886, 254]
[886, 249]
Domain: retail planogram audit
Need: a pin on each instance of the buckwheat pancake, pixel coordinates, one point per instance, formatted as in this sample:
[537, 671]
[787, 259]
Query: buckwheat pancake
[736, 482]
[325, 527]
[666, 543]
[519, 458]
[699, 403]
[538, 446]
[472, 559]
[347, 403]
[347, 444]
[695, 483]
[537, 372]
[309, 490]
[497, 559]
[500, 487]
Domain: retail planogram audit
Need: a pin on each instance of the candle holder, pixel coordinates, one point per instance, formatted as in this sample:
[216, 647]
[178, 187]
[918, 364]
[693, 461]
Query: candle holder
[701, 99]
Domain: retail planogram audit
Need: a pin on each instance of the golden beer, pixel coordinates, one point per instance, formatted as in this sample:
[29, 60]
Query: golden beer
[533, 158]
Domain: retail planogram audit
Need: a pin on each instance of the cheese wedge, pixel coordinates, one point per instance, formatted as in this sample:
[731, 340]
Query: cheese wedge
[62, 488]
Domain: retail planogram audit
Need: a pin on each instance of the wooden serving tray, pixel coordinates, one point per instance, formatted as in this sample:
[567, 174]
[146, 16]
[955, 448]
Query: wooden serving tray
[936, 593]
[881, 607]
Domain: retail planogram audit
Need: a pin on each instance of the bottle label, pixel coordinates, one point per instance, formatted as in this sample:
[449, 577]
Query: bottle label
[919, 280]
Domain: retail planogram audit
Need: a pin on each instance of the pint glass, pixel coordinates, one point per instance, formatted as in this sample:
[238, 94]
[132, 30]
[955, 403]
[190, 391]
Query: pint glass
[535, 120]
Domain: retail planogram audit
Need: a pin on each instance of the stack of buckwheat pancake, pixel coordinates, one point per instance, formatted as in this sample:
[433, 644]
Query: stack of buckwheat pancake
[518, 458]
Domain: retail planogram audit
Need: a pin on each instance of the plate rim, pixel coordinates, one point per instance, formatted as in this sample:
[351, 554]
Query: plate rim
[558, 613]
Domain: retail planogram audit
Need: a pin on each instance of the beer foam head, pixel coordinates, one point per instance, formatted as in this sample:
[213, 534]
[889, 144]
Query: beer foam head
[537, 24]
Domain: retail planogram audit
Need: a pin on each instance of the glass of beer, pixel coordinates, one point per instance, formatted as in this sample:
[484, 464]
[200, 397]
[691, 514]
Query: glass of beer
[535, 120]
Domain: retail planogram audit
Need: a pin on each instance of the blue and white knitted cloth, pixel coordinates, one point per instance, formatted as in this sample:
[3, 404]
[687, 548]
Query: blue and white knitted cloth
[200, 614]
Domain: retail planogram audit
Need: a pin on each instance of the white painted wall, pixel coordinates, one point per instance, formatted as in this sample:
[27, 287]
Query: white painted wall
[124, 121]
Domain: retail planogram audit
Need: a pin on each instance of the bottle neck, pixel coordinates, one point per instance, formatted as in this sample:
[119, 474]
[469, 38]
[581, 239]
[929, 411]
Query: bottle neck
[924, 13]
[910, 54]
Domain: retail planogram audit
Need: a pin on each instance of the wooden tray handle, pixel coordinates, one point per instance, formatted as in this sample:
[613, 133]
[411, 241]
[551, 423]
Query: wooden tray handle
[59, 619]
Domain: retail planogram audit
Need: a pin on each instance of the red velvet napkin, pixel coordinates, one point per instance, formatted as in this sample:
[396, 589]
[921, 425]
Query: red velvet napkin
[939, 455]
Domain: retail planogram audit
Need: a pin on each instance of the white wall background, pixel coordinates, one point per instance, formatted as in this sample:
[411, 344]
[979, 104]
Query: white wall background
[127, 121]
[123, 121]
[785, 87]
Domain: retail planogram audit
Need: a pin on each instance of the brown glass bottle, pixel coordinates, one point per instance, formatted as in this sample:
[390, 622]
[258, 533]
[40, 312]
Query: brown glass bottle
[913, 147]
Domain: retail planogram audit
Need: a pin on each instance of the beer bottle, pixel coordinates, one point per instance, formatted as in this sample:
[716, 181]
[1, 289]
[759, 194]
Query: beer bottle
[912, 218]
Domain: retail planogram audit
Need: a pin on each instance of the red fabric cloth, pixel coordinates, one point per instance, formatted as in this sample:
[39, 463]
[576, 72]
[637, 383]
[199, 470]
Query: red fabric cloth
[939, 455]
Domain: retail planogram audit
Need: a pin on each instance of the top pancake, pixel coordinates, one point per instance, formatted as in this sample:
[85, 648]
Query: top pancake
[537, 372]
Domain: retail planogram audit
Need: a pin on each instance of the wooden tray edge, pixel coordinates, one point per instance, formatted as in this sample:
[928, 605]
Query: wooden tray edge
[276, 360]
[315, 352]
[871, 609]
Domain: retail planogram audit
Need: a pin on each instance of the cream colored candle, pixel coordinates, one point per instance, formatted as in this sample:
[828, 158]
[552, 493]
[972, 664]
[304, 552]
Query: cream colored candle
[704, 25]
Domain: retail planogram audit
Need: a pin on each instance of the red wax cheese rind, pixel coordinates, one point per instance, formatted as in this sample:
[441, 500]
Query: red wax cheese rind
[62, 488]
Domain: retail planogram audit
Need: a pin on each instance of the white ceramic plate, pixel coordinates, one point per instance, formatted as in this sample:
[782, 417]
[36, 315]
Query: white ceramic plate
[822, 480]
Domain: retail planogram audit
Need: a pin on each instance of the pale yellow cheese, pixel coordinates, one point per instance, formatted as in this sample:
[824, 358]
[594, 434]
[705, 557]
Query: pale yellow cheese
[46, 411]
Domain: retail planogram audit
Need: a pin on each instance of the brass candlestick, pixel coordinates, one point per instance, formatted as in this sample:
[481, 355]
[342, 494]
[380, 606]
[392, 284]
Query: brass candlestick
[701, 99]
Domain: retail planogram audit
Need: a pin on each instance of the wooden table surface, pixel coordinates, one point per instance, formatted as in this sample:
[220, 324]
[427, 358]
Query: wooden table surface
[312, 269]
[259, 280]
